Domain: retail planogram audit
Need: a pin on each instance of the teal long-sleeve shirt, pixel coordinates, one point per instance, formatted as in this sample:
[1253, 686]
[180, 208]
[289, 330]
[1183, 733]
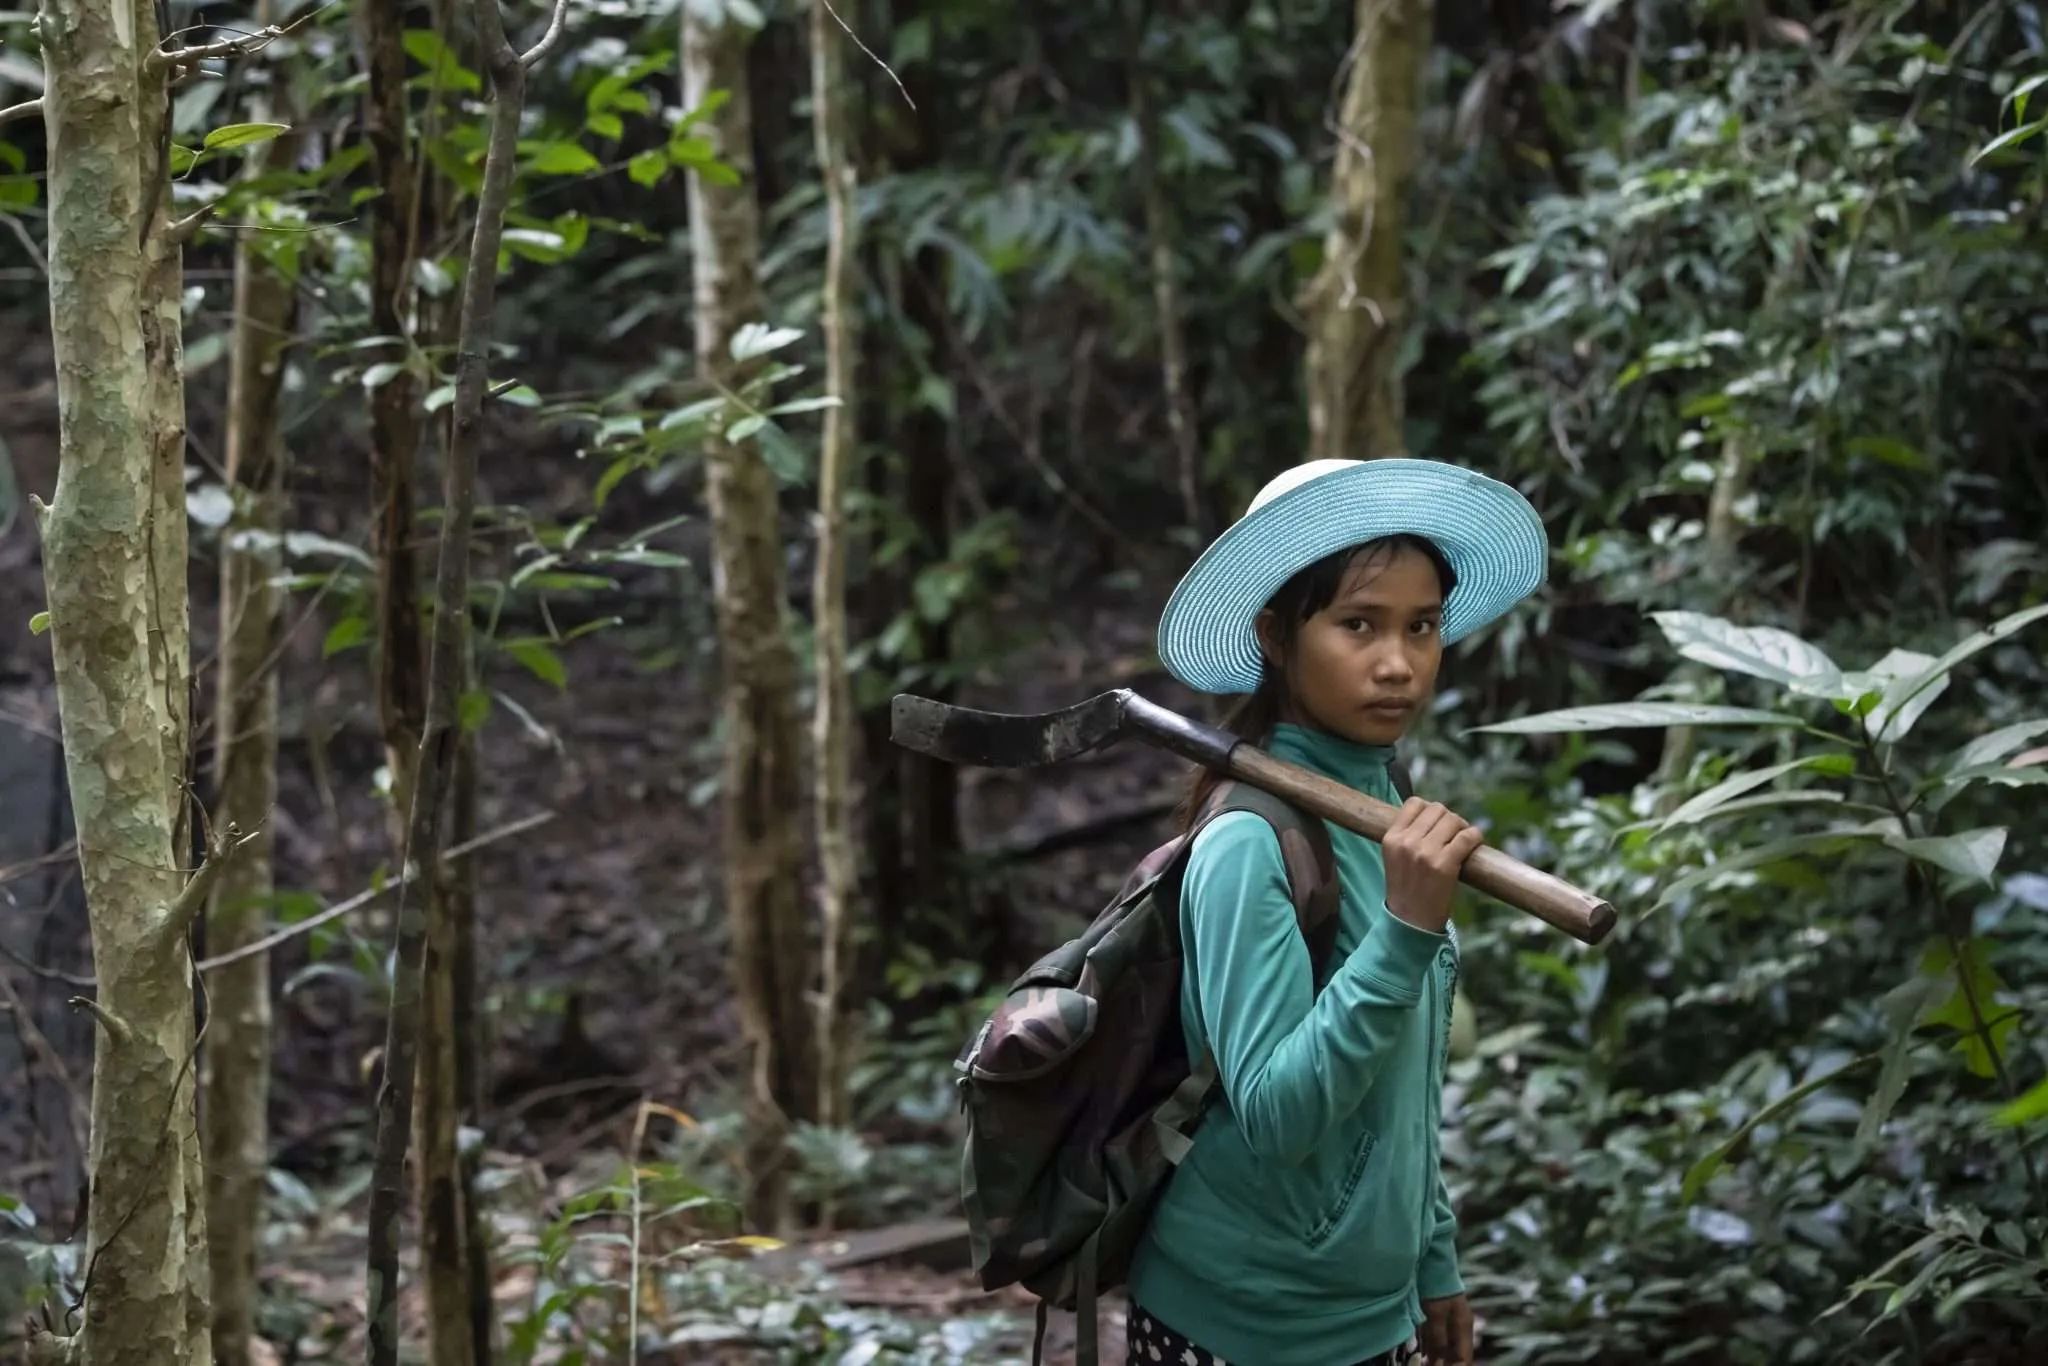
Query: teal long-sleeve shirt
[1310, 1219]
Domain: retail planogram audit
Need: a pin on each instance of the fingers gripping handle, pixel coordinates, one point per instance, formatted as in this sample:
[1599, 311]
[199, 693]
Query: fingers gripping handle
[1502, 876]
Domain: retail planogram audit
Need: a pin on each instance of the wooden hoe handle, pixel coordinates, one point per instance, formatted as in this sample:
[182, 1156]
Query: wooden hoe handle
[1551, 899]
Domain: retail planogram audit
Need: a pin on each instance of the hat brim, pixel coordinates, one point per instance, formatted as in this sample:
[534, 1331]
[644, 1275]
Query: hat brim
[1488, 532]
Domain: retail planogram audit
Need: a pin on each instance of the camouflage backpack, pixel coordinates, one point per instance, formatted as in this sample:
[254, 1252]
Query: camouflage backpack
[1079, 1093]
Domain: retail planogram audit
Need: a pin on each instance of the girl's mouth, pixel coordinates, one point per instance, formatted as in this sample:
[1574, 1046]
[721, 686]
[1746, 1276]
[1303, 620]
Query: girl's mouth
[1391, 707]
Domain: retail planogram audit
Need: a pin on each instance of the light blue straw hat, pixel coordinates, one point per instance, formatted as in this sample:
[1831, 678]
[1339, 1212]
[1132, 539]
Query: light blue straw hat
[1492, 538]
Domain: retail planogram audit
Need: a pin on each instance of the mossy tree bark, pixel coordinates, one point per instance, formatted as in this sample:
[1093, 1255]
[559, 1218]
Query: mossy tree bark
[762, 797]
[1355, 307]
[114, 569]
[235, 1064]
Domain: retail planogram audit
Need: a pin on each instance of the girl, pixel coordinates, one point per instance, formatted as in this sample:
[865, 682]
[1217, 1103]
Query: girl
[1309, 1225]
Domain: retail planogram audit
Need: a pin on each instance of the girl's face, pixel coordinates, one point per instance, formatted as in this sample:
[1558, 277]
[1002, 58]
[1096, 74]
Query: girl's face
[1363, 666]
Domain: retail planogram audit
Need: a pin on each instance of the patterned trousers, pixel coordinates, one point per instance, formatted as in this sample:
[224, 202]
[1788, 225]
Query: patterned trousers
[1151, 1343]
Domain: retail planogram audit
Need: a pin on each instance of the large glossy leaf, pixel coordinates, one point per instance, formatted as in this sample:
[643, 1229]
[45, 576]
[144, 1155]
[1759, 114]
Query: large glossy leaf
[1759, 651]
[1905, 701]
[1983, 640]
[1727, 790]
[1636, 715]
[1823, 842]
[1973, 854]
[1988, 749]
[1998, 775]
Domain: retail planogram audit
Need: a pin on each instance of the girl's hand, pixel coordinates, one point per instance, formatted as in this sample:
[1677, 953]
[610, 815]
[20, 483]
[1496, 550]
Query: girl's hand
[1424, 849]
[1446, 1334]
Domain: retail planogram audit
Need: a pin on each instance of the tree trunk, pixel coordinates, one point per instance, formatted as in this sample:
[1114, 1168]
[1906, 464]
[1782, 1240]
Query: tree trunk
[114, 570]
[1173, 341]
[833, 731]
[1355, 307]
[446, 674]
[235, 1063]
[761, 798]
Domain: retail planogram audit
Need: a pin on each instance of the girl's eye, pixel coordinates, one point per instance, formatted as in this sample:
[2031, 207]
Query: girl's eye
[1424, 627]
[1356, 624]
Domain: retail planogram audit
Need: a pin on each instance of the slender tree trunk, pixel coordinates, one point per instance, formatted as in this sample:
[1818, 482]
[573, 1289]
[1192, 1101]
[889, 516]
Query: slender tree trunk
[446, 670]
[114, 571]
[834, 732]
[1356, 306]
[762, 844]
[236, 1060]
[1160, 238]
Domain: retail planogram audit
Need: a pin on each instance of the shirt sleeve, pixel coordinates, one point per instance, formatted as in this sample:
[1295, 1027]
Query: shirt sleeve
[1293, 1063]
[1438, 1277]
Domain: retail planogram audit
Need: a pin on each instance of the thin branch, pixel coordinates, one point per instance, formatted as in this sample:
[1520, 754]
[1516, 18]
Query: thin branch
[186, 228]
[27, 109]
[220, 850]
[116, 1027]
[556, 24]
[364, 898]
[28, 244]
[245, 45]
[868, 50]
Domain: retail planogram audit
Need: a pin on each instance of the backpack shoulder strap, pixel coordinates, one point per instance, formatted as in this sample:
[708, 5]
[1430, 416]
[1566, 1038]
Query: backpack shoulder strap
[1305, 850]
[1398, 771]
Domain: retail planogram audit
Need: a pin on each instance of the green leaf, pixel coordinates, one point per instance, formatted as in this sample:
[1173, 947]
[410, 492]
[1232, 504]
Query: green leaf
[2009, 139]
[1703, 1171]
[39, 623]
[647, 168]
[425, 47]
[1903, 702]
[440, 398]
[540, 660]
[345, 634]
[520, 396]
[1759, 651]
[606, 125]
[1983, 640]
[1998, 775]
[1891, 451]
[1903, 1007]
[2027, 1109]
[1973, 854]
[562, 158]
[758, 339]
[183, 158]
[473, 709]
[1730, 788]
[805, 405]
[572, 583]
[1633, 715]
[1955, 1013]
[1988, 749]
[745, 427]
[614, 474]
[382, 373]
[243, 135]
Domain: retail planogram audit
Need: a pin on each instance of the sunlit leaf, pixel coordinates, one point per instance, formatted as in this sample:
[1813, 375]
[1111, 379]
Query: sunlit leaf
[2028, 1109]
[1904, 701]
[540, 660]
[1982, 640]
[243, 135]
[562, 158]
[1729, 789]
[647, 168]
[1973, 854]
[345, 634]
[1636, 715]
[1760, 651]
[758, 339]
[39, 623]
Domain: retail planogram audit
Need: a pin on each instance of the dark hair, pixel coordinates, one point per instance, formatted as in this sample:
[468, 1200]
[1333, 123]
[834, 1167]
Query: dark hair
[1301, 597]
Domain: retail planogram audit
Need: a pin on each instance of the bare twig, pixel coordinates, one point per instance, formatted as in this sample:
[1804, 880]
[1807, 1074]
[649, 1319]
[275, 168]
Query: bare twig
[220, 849]
[117, 1028]
[244, 45]
[364, 898]
[868, 50]
[27, 109]
[539, 51]
[28, 244]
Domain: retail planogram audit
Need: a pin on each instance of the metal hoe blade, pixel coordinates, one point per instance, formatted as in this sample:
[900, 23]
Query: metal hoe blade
[989, 739]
